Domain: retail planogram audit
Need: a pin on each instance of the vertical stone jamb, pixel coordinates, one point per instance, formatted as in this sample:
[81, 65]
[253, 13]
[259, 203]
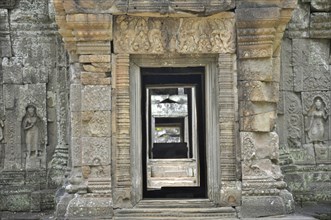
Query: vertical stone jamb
[227, 99]
[121, 134]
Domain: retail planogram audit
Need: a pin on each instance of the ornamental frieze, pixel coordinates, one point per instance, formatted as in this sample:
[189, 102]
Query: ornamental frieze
[140, 35]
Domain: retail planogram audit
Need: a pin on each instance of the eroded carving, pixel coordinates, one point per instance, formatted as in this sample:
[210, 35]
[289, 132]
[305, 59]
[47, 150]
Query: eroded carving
[32, 132]
[140, 35]
[316, 122]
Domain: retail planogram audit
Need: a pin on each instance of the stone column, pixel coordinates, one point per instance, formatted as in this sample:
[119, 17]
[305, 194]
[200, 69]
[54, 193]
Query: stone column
[260, 26]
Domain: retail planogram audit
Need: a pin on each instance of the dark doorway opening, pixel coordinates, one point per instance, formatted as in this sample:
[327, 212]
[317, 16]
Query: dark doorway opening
[173, 132]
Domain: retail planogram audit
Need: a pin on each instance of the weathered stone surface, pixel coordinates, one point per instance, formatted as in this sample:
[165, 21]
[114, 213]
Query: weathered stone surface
[255, 206]
[186, 35]
[321, 5]
[96, 124]
[258, 91]
[96, 149]
[91, 78]
[26, 9]
[96, 98]
[306, 105]
[256, 70]
[90, 207]
[311, 69]
[320, 25]
[299, 24]
[257, 117]
[7, 4]
[12, 70]
[76, 151]
[286, 78]
[191, 7]
[86, 27]
[5, 43]
[95, 59]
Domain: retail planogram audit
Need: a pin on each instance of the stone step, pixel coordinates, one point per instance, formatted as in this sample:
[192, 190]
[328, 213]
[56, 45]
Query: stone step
[176, 213]
[178, 203]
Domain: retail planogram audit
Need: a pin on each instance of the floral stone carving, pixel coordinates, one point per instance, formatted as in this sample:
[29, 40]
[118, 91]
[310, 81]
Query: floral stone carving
[139, 35]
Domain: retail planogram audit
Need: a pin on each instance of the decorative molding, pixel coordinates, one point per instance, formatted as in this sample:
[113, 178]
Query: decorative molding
[320, 25]
[121, 130]
[147, 35]
[260, 30]
[227, 99]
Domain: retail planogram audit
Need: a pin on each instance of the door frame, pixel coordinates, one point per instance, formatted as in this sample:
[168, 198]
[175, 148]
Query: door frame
[209, 62]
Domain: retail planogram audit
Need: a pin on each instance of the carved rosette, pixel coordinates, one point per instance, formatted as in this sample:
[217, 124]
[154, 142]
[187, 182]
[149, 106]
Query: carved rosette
[147, 35]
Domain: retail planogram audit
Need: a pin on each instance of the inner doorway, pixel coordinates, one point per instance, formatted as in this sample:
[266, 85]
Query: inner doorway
[173, 132]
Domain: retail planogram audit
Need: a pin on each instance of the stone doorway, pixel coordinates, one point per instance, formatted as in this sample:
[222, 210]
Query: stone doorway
[210, 65]
[173, 131]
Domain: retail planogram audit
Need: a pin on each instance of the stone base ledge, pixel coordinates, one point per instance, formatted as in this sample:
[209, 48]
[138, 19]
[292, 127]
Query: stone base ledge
[263, 206]
[89, 208]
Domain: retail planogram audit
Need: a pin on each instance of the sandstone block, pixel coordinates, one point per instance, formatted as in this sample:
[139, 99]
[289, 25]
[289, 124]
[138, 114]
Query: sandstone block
[261, 122]
[320, 25]
[96, 124]
[12, 70]
[95, 58]
[299, 24]
[258, 91]
[97, 68]
[76, 124]
[96, 150]
[76, 151]
[90, 207]
[256, 70]
[258, 206]
[91, 78]
[321, 5]
[96, 98]
[75, 97]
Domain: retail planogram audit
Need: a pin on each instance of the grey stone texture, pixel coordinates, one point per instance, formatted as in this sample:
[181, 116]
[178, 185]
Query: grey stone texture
[303, 122]
[75, 146]
[33, 68]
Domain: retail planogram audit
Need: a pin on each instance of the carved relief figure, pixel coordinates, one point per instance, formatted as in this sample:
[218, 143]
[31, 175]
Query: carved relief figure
[155, 37]
[141, 41]
[32, 130]
[317, 117]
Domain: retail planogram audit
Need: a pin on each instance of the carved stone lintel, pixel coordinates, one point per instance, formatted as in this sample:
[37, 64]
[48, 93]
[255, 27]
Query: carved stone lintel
[139, 35]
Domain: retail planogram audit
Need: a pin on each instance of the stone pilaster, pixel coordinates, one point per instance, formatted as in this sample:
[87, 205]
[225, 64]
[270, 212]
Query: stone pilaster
[121, 132]
[260, 27]
[87, 38]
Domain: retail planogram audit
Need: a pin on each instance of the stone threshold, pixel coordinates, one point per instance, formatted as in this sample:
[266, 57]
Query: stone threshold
[165, 209]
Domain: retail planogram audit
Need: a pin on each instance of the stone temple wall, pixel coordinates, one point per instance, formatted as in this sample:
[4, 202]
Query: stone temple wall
[33, 106]
[304, 123]
[39, 117]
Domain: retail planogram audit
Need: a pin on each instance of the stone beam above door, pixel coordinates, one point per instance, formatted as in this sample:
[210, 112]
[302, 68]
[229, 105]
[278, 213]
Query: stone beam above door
[151, 35]
[149, 7]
